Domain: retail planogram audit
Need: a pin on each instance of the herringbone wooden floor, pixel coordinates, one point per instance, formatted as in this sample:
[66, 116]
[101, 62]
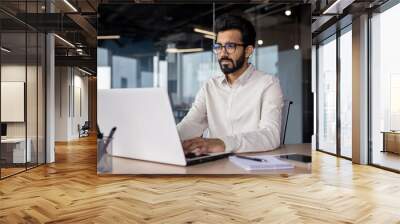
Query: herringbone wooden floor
[69, 191]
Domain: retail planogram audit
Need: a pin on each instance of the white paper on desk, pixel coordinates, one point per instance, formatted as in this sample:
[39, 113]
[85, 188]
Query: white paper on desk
[272, 164]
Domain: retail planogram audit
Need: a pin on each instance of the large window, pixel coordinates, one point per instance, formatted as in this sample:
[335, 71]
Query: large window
[327, 95]
[346, 92]
[385, 88]
[334, 93]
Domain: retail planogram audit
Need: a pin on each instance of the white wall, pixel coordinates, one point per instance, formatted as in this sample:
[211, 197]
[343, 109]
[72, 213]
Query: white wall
[17, 73]
[70, 83]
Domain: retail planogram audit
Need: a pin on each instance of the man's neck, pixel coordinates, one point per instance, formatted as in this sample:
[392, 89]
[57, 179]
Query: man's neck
[234, 76]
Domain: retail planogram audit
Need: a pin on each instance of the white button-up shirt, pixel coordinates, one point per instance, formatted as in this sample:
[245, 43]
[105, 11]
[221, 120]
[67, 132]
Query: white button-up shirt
[245, 115]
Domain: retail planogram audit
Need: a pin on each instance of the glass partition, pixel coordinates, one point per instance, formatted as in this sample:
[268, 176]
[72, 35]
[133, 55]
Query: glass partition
[41, 97]
[22, 89]
[14, 154]
[346, 92]
[31, 100]
[327, 95]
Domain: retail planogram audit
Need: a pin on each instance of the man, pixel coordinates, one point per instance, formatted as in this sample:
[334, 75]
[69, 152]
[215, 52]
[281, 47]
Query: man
[242, 108]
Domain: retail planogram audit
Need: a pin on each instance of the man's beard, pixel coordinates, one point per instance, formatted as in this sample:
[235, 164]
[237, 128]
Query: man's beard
[235, 66]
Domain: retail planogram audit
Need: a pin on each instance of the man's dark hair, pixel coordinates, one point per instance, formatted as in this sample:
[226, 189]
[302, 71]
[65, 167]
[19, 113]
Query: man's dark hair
[230, 22]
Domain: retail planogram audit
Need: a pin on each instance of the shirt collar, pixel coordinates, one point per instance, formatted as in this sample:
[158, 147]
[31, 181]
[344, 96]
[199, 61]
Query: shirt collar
[242, 78]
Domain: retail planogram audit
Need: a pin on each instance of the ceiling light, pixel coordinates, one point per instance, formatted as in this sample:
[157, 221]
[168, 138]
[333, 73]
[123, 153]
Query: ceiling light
[296, 47]
[5, 50]
[43, 7]
[260, 42]
[288, 12]
[70, 5]
[187, 50]
[64, 40]
[198, 30]
[79, 50]
[108, 37]
[209, 37]
[84, 71]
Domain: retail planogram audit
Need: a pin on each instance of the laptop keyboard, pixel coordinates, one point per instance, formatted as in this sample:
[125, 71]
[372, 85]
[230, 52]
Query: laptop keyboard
[193, 155]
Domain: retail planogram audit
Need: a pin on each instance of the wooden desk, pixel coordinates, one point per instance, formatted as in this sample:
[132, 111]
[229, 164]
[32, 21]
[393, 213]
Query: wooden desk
[13, 150]
[223, 166]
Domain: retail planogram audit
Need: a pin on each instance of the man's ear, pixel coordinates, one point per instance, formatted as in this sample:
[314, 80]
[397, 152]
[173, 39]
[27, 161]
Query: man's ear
[249, 51]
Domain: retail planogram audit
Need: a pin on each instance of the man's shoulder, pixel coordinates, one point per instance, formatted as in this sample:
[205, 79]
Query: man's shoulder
[264, 77]
[214, 80]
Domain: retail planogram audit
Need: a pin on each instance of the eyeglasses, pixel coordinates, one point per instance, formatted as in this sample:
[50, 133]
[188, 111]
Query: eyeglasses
[230, 48]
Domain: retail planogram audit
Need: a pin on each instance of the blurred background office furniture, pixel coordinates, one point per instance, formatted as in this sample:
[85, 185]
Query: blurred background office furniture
[13, 152]
[84, 129]
[391, 141]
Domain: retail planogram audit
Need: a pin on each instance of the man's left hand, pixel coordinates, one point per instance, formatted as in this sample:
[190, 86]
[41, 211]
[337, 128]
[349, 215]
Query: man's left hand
[203, 145]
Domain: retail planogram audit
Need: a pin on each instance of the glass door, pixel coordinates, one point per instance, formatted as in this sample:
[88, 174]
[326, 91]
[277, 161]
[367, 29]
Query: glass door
[14, 154]
[385, 89]
[326, 59]
[345, 42]
[22, 77]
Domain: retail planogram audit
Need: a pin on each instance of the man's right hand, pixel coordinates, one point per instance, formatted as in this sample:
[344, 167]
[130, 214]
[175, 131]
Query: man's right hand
[203, 145]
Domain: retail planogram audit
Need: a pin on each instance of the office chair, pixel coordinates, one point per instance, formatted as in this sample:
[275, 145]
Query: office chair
[285, 117]
[84, 130]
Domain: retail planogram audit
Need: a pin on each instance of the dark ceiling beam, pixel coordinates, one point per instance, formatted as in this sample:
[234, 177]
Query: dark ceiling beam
[49, 22]
[80, 20]
[77, 61]
[91, 5]
[86, 26]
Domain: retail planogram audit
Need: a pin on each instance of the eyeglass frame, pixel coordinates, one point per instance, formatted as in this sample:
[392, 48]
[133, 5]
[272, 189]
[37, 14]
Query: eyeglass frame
[224, 47]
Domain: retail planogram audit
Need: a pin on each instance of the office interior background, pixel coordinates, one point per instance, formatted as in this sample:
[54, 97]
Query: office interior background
[28, 55]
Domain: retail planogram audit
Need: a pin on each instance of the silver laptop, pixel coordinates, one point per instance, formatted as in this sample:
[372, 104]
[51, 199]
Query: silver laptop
[146, 128]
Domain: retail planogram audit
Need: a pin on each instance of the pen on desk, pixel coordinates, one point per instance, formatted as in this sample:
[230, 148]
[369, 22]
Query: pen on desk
[99, 134]
[110, 137]
[252, 158]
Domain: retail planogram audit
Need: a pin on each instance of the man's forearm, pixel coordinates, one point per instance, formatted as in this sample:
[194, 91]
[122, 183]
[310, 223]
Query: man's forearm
[261, 140]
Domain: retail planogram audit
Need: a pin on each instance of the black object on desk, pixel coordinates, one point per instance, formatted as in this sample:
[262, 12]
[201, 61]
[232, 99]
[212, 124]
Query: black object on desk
[110, 136]
[297, 157]
[104, 151]
[99, 134]
[252, 158]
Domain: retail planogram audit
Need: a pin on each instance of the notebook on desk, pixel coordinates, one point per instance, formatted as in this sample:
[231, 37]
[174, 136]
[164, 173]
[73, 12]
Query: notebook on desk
[271, 163]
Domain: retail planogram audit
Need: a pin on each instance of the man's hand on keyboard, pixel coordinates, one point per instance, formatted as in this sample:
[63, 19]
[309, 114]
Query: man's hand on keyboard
[203, 145]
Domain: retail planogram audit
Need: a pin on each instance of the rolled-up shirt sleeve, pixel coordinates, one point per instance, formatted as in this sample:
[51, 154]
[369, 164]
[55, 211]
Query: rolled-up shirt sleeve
[195, 122]
[267, 136]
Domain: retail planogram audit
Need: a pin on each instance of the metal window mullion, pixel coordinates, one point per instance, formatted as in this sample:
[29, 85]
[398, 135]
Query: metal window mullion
[26, 87]
[317, 96]
[338, 98]
[369, 78]
[37, 91]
